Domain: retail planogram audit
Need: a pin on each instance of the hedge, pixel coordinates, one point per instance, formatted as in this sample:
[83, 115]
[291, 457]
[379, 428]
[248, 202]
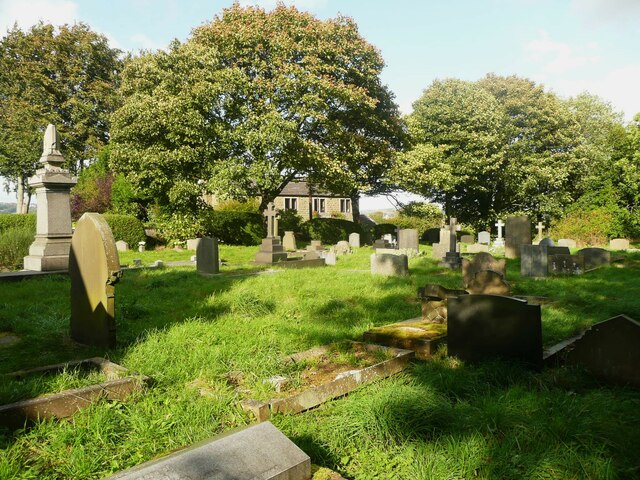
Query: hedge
[14, 246]
[18, 220]
[234, 227]
[330, 230]
[382, 229]
[126, 227]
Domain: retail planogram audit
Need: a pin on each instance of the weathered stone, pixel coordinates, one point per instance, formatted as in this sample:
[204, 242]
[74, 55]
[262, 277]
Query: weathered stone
[619, 244]
[50, 249]
[484, 238]
[452, 258]
[518, 232]
[289, 241]
[137, 262]
[485, 326]
[467, 239]
[330, 258]
[567, 242]
[258, 452]
[310, 255]
[408, 239]
[480, 262]
[489, 282]
[477, 248]
[547, 242]
[158, 264]
[441, 248]
[421, 337]
[381, 243]
[434, 302]
[409, 252]
[595, 257]
[354, 240]
[122, 246]
[142, 246]
[207, 259]
[94, 269]
[342, 247]
[271, 251]
[534, 259]
[259, 409]
[564, 264]
[389, 265]
[609, 350]
[316, 245]
[499, 241]
[192, 243]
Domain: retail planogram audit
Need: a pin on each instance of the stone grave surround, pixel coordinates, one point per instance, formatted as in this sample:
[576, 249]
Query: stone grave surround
[563, 264]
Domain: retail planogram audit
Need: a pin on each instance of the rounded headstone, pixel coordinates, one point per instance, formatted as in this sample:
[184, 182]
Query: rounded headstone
[547, 242]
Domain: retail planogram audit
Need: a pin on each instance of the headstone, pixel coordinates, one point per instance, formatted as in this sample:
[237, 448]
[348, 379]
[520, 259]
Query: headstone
[619, 244]
[330, 258]
[534, 261]
[477, 248]
[547, 242]
[207, 259]
[316, 245]
[489, 282]
[122, 246]
[484, 238]
[480, 262]
[142, 246]
[485, 326]
[289, 241]
[441, 248]
[540, 226]
[389, 265]
[434, 302]
[257, 452]
[94, 269]
[192, 243]
[50, 249]
[595, 257]
[567, 242]
[408, 239]
[518, 233]
[271, 249]
[499, 241]
[565, 264]
[354, 240]
[609, 350]
[311, 255]
[381, 243]
[452, 258]
[342, 247]
[467, 239]
[158, 264]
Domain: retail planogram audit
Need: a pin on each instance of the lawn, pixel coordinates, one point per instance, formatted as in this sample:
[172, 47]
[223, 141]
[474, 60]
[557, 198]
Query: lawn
[225, 334]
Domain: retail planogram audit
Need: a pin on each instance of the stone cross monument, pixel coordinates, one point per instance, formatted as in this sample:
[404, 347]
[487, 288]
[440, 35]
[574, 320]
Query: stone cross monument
[50, 249]
[270, 213]
[271, 249]
[452, 258]
[499, 241]
[540, 227]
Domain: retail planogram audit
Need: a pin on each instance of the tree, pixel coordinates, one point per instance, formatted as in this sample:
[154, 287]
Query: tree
[66, 76]
[253, 100]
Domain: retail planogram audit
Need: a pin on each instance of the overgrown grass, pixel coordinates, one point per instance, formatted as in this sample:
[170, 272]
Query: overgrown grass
[209, 342]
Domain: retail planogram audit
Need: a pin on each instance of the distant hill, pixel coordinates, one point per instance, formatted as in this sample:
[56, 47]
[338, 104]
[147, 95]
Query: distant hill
[11, 208]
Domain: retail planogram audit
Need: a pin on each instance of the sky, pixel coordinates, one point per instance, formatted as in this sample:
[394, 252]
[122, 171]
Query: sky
[569, 46]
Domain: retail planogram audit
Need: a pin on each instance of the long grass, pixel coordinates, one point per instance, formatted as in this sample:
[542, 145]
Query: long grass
[209, 342]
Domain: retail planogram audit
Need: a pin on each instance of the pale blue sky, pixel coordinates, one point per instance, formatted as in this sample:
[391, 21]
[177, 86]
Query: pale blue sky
[568, 45]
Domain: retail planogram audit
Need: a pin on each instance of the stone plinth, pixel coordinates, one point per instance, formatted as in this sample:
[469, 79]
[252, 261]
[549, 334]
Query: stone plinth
[452, 260]
[271, 251]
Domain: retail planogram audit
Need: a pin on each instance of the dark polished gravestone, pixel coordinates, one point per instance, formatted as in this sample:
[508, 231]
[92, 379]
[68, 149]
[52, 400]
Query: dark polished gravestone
[609, 350]
[485, 326]
[207, 259]
[563, 264]
[534, 259]
[258, 452]
[94, 269]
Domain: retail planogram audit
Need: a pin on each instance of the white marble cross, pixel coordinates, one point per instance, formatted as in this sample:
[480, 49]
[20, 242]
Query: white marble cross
[500, 224]
[540, 228]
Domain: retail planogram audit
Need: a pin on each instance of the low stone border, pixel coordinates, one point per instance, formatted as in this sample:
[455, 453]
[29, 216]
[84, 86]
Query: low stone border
[343, 384]
[66, 403]
[405, 335]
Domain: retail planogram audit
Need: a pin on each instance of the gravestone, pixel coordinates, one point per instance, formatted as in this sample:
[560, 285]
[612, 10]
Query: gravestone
[271, 249]
[485, 326]
[565, 264]
[381, 243]
[387, 237]
[477, 248]
[389, 265]
[484, 238]
[342, 247]
[192, 243]
[534, 261]
[94, 269]
[480, 262]
[540, 228]
[316, 245]
[434, 302]
[354, 240]
[142, 246]
[488, 282]
[518, 233]
[595, 257]
[499, 241]
[122, 246]
[207, 259]
[311, 255]
[408, 239]
[619, 244]
[50, 248]
[567, 242]
[452, 258]
[329, 258]
[467, 239]
[257, 452]
[289, 241]
[547, 242]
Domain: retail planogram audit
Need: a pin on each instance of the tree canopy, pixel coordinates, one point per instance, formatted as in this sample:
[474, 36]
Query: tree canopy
[252, 100]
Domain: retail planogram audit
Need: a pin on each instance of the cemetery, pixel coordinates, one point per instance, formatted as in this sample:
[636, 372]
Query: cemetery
[198, 294]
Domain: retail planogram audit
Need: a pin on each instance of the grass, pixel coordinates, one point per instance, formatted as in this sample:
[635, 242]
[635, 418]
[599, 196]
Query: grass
[225, 334]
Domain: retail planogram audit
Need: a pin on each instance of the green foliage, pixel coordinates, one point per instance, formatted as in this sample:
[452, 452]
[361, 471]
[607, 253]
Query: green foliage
[18, 220]
[178, 227]
[329, 230]
[251, 205]
[384, 228]
[14, 246]
[291, 221]
[586, 227]
[126, 227]
[123, 197]
[419, 216]
[235, 228]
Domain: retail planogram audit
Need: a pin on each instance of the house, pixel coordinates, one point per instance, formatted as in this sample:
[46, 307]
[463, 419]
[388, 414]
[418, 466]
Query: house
[313, 202]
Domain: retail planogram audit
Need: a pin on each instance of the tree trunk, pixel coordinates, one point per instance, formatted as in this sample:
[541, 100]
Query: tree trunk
[28, 204]
[19, 195]
[355, 207]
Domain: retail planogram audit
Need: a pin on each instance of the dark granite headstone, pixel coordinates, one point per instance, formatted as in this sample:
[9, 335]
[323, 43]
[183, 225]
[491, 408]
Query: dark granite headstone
[485, 326]
[207, 255]
[595, 257]
[518, 232]
[94, 269]
[534, 261]
[564, 264]
[481, 261]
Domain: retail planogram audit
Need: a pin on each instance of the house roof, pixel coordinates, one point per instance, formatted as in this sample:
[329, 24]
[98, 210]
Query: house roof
[300, 188]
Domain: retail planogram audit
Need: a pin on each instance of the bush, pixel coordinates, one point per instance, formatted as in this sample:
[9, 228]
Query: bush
[588, 227]
[14, 246]
[291, 221]
[126, 227]
[329, 230]
[235, 228]
[178, 227]
[18, 220]
[382, 229]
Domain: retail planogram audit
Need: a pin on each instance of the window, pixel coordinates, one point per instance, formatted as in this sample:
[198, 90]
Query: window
[291, 203]
[345, 205]
[319, 205]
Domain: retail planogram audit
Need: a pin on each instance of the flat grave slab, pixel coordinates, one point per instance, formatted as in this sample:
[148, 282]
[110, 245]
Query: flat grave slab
[415, 334]
[258, 452]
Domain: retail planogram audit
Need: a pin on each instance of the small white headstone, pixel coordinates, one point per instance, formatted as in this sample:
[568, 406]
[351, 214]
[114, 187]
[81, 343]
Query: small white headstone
[122, 246]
